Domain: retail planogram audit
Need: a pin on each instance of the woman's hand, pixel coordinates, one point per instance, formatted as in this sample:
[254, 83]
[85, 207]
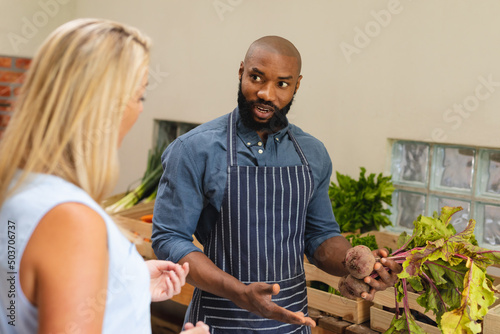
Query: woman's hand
[167, 278]
[200, 328]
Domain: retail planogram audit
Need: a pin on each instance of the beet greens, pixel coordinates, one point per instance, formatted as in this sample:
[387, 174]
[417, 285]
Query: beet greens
[448, 270]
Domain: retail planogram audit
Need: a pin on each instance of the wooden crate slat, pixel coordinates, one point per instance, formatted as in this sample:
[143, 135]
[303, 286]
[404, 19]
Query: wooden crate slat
[313, 273]
[355, 311]
[386, 298]
[491, 321]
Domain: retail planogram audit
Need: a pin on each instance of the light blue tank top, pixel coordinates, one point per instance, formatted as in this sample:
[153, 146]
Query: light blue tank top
[127, 298]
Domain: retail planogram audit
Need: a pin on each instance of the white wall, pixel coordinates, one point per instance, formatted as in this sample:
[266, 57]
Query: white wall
[24, 24]
[401, 80]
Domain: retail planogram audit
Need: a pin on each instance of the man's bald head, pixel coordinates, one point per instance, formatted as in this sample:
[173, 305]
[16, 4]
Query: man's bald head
[275, 44]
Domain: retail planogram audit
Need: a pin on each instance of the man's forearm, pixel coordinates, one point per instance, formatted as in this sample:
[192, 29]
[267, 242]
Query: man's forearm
[205, 275]
[329, 256]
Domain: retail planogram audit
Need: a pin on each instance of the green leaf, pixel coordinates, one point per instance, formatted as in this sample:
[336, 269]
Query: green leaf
[476, 298]
[405, 324]
[358, 204]
[447, 212]
[367, 240]
[449, 270]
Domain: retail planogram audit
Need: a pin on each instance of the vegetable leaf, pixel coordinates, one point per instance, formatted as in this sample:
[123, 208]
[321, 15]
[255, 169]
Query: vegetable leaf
[359, 204]
[449, 271]
[405, 324]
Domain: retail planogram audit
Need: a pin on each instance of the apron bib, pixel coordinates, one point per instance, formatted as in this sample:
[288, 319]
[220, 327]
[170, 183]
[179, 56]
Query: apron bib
[258, 237]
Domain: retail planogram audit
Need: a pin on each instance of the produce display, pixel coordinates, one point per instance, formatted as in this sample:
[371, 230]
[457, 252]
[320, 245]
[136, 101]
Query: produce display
[447, 269]
[360, 205]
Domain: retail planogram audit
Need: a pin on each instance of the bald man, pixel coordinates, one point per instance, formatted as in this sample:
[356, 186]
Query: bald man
[253, 189]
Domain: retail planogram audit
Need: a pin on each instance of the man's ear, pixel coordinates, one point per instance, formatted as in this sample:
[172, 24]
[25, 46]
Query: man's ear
[240, 71]
[297, 85]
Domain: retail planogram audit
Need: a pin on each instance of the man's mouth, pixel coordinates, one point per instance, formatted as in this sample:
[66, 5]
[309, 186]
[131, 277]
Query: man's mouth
[263, 111]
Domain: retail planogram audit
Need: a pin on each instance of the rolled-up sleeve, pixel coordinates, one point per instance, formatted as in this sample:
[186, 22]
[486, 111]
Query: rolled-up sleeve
[178, 204]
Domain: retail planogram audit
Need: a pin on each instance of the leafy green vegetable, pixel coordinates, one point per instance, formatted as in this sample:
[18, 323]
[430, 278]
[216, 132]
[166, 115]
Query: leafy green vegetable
[366, 240]
[146, 191]
[359, 205]
[449, 269]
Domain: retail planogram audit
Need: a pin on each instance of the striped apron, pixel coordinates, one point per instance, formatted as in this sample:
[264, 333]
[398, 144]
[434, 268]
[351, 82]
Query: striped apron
[258, 237]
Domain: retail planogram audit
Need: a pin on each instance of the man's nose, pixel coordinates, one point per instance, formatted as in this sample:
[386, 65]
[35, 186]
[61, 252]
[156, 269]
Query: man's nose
[267, 92]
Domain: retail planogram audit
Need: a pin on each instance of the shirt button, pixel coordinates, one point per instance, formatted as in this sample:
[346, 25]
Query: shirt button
[277, 139]
[249, 143]
[259, 143]
[261, 151]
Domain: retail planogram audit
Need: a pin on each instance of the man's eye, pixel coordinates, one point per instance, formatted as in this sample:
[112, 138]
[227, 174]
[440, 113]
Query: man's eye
[142, 99]
[283, 84]
[255, 77]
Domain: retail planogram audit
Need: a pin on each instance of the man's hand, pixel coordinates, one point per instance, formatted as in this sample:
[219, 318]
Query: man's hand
[387, 271]
[256, 298]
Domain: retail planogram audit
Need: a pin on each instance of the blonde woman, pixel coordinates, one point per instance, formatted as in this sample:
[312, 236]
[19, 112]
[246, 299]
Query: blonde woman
[65, 266]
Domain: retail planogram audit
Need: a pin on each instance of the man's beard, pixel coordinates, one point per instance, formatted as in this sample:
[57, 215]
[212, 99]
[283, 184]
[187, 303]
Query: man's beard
[277, 122]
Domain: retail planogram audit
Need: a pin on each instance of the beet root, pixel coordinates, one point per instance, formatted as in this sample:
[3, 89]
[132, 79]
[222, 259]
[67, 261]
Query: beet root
[359, 261]
[351, 287]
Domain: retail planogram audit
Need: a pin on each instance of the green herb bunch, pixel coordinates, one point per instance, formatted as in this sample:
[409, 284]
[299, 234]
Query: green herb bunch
[365, 240]
[359, 204]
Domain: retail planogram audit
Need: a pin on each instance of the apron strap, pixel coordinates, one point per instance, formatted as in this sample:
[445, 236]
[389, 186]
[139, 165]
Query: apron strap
[298, 149]
[231, 140]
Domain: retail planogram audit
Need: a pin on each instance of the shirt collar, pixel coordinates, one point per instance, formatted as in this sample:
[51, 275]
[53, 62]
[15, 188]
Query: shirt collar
[251, 138]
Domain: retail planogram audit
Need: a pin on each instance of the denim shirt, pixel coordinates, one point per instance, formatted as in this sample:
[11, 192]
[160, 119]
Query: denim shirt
[191, 189]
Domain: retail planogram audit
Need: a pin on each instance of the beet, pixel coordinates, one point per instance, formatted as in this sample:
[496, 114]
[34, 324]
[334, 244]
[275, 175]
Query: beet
[359, 261]
[351, 287]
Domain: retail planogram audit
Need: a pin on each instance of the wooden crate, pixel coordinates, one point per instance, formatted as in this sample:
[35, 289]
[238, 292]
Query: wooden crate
[491, 322]
[388, 299]
[354, 311]
[138, 232]
[380, 321]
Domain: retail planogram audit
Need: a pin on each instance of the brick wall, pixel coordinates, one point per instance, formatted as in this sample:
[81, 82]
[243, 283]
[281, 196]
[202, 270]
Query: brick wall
[11, 78]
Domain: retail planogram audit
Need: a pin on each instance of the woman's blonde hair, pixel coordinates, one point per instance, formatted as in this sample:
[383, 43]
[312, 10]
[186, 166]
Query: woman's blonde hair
[67, 118]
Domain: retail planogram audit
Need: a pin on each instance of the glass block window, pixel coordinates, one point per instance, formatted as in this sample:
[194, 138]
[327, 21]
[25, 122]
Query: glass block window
[410, 163]
[429, 176]
[409, 206]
